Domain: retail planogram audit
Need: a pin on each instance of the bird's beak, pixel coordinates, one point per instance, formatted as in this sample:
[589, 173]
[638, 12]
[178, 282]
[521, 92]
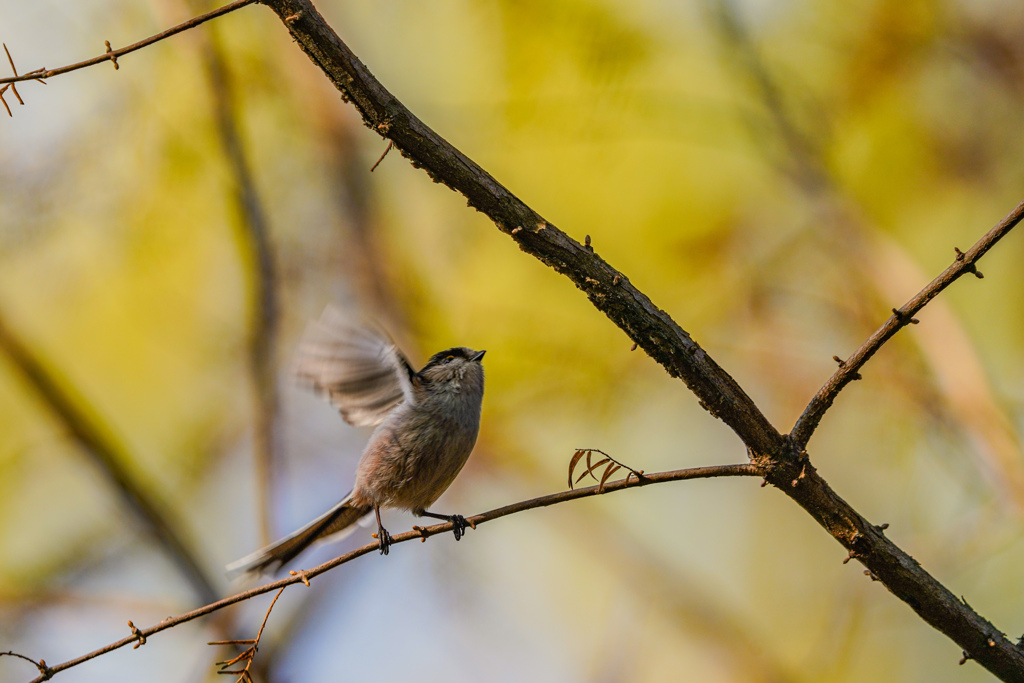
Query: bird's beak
[479, 356]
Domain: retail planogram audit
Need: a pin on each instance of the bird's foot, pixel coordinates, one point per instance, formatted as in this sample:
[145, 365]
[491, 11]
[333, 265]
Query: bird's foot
[459, 525]
[383, 540]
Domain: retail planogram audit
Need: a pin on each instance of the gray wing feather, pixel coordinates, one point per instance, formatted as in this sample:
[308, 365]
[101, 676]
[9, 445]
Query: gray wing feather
[356, 367]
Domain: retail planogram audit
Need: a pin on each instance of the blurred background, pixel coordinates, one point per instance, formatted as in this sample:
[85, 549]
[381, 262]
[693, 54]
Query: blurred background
[776, 175]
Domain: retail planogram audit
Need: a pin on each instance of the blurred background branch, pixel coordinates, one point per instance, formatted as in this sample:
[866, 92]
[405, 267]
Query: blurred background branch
[254, 236]
[97, 441]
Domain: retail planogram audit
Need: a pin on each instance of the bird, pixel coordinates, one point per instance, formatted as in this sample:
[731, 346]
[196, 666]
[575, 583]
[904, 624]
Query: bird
[426, 427]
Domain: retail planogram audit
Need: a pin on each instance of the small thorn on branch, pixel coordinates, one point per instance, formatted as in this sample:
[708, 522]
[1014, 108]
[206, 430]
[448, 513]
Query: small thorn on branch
[292, 18]
[971, 268]
[803, 471]
[302, 577]
[840, 361]
[391, 143]
[138, 636]
[37, 71]
[903, 317]
[633, 347]
[586, 244]
[113, 57]
[871, 575]
[963, 660]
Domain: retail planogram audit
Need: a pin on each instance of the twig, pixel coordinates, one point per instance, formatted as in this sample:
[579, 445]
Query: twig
[45, 672]
[249, 654]
[112, 55]
[10, 60]
[391, 143]
[963, 263]
[740, 470]
[810, 174]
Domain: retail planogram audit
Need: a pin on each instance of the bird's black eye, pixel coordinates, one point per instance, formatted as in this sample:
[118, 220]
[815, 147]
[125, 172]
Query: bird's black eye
[448, 359]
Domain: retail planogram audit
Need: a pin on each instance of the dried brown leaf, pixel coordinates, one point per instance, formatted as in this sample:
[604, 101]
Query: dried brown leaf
[572, 464]
[607, 473]
[590, 470]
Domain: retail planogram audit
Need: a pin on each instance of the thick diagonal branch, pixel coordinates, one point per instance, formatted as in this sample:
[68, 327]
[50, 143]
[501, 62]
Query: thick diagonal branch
[896, 570]
[609, 290]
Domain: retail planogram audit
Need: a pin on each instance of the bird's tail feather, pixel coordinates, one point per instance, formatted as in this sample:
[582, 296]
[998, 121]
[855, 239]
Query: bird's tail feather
[336, 520]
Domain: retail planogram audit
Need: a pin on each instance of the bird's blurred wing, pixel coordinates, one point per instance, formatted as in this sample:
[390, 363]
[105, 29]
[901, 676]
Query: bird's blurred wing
[357, 368]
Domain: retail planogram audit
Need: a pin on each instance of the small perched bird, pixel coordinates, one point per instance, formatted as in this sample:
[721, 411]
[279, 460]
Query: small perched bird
[427, 424]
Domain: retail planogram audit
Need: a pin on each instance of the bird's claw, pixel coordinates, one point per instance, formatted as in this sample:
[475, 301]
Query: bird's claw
[383, 540]
[459, 525]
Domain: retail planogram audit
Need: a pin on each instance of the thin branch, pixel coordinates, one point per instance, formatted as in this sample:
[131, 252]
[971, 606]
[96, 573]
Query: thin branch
[249, 654]
[45, 672]
[386, 150]
[740, 470]
[963, 263]
[112, 55]
[809, 173]
[110, 455]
